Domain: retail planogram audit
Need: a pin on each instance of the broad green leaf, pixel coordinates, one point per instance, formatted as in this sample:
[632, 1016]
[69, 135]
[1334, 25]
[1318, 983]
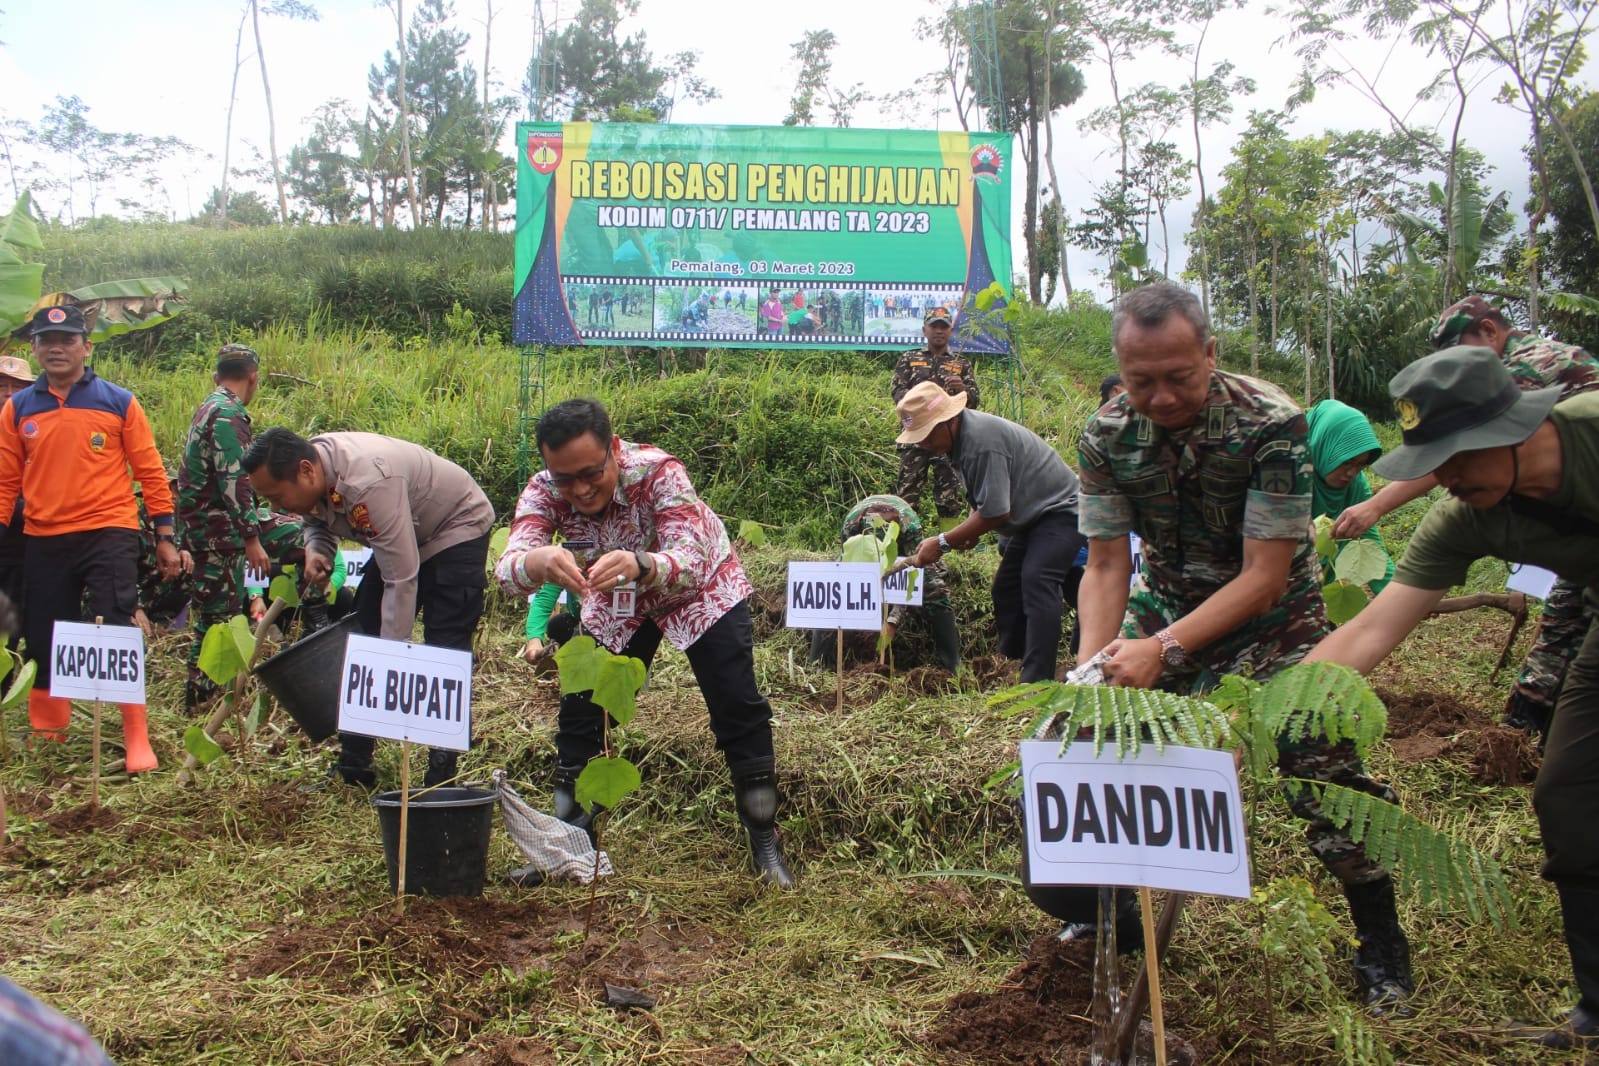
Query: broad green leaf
[21, 685]
[618, 681]
[196, 743]
[578, 662]
[497, 542]
[1361, 562]
[1326, 546]
[605, 781]
[862, 548]
[257, 715]
[7, 660]
[18, 229]
[243, 639]
[910, 583]
[117, 307]
[20, 284]
[1344, 601]
[219, 655]
[751, 533]
[283, 588]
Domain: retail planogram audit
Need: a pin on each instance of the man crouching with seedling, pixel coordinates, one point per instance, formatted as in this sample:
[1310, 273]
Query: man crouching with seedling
[649, 559]
[73, 443]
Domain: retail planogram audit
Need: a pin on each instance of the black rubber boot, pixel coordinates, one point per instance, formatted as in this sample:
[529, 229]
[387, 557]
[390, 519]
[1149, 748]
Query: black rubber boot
[1382, 961]
[1527, 715]
[566, 806]
[441, 767]
[946, 638]
[755, 793]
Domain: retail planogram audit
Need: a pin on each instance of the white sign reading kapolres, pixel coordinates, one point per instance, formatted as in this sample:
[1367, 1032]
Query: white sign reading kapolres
[835, 596]
[90, 662]
[1168, 820]
[402, 691]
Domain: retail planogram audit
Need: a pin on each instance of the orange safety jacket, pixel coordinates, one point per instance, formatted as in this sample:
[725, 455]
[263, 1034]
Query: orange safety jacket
[69, 457]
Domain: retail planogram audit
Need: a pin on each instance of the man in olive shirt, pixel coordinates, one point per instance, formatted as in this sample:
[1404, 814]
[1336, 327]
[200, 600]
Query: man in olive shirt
[1522, 472]
[427, 523]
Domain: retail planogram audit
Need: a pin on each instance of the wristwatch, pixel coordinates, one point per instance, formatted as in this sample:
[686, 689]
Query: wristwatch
[165, 538]
[1171, 652]
[645, 564]
[943, 544]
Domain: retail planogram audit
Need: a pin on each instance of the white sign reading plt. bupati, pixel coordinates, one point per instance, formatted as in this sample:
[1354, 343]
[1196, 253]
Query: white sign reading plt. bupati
[1168, 820]
[402, 691]
[835, 596]
[90, 662]
[904, 587]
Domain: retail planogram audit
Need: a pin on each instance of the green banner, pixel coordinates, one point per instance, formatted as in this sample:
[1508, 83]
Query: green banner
[754, 236]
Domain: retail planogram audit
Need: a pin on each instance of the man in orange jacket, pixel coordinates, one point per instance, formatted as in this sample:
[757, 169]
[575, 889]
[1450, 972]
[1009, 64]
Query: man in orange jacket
[67, 444]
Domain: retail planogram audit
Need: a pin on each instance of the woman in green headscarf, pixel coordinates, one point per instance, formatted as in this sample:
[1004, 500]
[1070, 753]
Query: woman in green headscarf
[1342, 445]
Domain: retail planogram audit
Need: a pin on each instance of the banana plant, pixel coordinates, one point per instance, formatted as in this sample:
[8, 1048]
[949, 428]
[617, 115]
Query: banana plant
[110, 308]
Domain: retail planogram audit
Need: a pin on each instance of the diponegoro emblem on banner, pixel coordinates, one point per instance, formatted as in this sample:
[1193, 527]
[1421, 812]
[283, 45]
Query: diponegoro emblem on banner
[544, 152]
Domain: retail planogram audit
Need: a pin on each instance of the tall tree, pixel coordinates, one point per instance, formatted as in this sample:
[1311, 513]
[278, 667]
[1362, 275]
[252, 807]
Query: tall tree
[397, 7]
[594, 73]
[294, 9]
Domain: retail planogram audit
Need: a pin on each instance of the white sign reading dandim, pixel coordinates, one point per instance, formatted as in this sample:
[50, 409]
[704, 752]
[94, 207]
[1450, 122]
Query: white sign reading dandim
[90, 662]
[402, 691]
[1168, 820]
[355, 560]
[904, 587]
[835, 596]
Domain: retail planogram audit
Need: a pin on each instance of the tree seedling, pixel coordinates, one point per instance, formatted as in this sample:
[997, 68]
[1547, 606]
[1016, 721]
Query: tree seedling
[1355, 564]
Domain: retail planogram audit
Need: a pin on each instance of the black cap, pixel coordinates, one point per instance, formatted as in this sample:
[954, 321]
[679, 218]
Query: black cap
[62, 319]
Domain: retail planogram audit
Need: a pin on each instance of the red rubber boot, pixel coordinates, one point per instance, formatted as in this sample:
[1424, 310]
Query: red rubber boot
[136, 738]
[48, 715]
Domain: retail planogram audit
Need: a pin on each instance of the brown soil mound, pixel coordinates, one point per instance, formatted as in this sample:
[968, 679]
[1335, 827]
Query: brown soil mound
[84, 819]
[1505, 756]
[1039, 1014]
[1432, 714]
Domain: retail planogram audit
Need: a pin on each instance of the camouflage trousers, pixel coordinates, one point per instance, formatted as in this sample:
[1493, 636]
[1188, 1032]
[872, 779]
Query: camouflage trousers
[1560, 632]
[949, 495]
[1270, 643]
[219, 592]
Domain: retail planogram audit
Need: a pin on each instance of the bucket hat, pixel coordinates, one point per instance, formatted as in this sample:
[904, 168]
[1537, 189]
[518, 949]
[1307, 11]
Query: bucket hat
[924, 407]
[1458, 400]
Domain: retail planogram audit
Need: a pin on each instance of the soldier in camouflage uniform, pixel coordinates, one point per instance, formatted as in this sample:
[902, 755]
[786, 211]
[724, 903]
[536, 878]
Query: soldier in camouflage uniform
[161, 600]
[222, 526]
[935, 610]
[1534, 363]
[1212, 470]
[954, 374]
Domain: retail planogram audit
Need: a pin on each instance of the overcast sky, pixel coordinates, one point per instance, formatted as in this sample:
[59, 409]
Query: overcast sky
[165, 69]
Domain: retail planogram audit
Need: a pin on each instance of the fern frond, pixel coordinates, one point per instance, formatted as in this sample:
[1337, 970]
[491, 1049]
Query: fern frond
[1121, 718]
[1431, 863]
[1323, 700]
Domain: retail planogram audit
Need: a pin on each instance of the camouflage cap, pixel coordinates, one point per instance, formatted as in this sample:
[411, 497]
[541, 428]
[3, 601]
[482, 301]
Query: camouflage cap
[237, 353]
[1458, 400]
[1457, 319]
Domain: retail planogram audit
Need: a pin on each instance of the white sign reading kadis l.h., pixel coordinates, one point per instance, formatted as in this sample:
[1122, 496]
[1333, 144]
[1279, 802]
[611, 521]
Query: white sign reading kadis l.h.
[1168, 820]
[90, 662]
[835, 596]
[402, 691]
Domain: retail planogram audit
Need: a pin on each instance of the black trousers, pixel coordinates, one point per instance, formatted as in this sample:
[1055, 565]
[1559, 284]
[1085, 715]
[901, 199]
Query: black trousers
[1029, 591]
[59, 570]
[449, 596]
[723, 660]
[1566, 797]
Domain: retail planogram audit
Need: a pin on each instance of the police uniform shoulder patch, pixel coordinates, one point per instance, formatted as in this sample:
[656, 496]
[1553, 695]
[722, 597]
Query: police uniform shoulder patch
[361, 520]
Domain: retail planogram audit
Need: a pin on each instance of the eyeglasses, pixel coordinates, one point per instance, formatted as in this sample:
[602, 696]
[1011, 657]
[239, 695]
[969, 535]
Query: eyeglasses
[589, 477]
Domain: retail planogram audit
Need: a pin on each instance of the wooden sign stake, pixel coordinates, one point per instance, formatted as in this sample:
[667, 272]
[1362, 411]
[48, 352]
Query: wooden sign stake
[94, 787]
[405, 819]
[1152, 960]
[839, 662]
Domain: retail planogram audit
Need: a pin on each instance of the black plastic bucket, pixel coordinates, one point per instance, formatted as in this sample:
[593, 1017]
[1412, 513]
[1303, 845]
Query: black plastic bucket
[448, 852]
[305, 677]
